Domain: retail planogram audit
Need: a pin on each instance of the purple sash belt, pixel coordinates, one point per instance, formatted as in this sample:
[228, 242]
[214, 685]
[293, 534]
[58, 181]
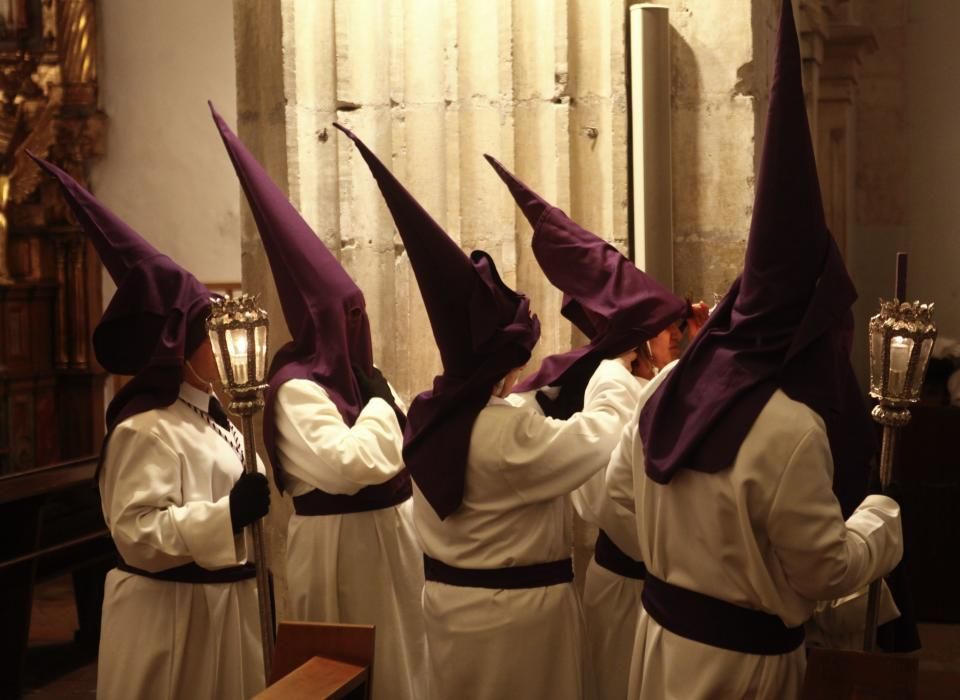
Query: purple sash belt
[376, 497]
[193, 573]
[716, 622]
[549, 573]
[612, 558]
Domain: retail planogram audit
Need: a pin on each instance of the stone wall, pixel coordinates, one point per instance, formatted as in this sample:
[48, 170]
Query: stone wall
[933, 171]
[880, 207]
[164, 170]
[540, 84]
[720, 68]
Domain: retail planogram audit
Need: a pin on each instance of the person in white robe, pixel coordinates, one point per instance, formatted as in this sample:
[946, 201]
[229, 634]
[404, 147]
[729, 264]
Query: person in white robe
[521, 468]
[333, 428]
[784, 547]
[165, 485]
[180, 611]
[739, 454]
[615, 305]
[491, 480]
[362, 567]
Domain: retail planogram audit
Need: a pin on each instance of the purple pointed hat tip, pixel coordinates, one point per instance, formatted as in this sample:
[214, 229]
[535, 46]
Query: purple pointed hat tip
[45, 165]
[218, 120]
[497, 165]
[509, 178]
[352, 136]
[531, 204]
[54, 171]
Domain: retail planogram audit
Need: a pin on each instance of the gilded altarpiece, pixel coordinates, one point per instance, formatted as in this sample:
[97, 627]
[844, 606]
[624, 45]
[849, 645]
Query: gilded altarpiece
[51, 387]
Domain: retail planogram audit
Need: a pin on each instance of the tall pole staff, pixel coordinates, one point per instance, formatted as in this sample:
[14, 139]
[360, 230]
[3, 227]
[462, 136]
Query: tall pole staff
[901, 341]
[238, 332]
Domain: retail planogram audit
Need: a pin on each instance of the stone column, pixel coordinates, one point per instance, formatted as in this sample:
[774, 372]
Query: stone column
[541, 158]
[261, 124]
[422, 163]
[650, 130]
[836, 134]
[720, 56]
[812, 26]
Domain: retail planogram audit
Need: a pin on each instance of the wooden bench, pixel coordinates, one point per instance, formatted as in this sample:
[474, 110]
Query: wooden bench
[51, 523]
[321, 660]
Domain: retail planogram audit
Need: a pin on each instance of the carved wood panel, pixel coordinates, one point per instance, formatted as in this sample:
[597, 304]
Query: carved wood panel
[51, 406]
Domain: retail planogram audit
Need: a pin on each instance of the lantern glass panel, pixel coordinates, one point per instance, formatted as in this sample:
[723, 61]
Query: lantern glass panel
[260, 337]
[876, 357]
[237, 347]
[926, 347]
[218, 356]
[900, 349]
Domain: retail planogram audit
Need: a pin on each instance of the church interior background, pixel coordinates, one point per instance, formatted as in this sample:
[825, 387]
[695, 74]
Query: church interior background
[649, 137]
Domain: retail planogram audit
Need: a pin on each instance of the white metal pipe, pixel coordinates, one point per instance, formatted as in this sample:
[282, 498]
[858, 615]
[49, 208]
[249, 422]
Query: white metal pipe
[650, 130]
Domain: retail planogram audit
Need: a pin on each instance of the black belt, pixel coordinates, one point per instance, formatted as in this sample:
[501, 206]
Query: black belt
[612, 558]
[193, 573]
[716, 622]
[549, 573]
[386, 495]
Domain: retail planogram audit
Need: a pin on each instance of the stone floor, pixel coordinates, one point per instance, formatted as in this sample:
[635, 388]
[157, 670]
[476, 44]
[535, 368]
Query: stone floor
[58, 670]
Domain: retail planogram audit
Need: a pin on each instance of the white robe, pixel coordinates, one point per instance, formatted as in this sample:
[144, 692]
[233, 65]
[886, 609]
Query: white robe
[521, 466]
[356, 568]
[165, 488]
[611, 602]
[765, 534]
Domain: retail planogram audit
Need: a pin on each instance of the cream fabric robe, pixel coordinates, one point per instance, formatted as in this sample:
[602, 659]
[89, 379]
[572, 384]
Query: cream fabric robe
[608, 600]
[527, 643]
[766, 533]
[165, 488]
[611, 603]
[358, 568]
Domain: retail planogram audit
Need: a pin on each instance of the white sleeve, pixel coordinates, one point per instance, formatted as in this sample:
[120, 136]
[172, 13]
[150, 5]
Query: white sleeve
[543, 458]
[618, 477]
[149, 522]
[840, 623]
[822, 556]
[317, 447]
[627, 458]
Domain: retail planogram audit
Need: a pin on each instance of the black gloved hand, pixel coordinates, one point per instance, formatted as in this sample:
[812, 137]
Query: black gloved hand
[568, 401]
[373, 385]
[249, 500]
[376, 385]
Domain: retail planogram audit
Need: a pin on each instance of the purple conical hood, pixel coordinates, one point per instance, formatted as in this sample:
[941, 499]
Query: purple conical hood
[323, 307]
[615, 304]
[447, 277]
[155, 320]
[785, 323]
[483, 330]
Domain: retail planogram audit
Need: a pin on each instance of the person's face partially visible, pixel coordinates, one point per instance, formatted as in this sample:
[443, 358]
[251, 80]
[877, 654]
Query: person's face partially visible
[204, 364]
[665, 346]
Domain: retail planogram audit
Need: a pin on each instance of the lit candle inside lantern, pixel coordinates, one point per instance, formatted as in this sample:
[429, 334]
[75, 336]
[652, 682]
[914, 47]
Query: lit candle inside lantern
[237, 346]
[900, 348]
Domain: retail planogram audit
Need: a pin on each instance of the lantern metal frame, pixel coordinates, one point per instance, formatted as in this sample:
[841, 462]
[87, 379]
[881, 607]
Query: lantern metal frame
[243, 313]
[912, 322]
[907, 322]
